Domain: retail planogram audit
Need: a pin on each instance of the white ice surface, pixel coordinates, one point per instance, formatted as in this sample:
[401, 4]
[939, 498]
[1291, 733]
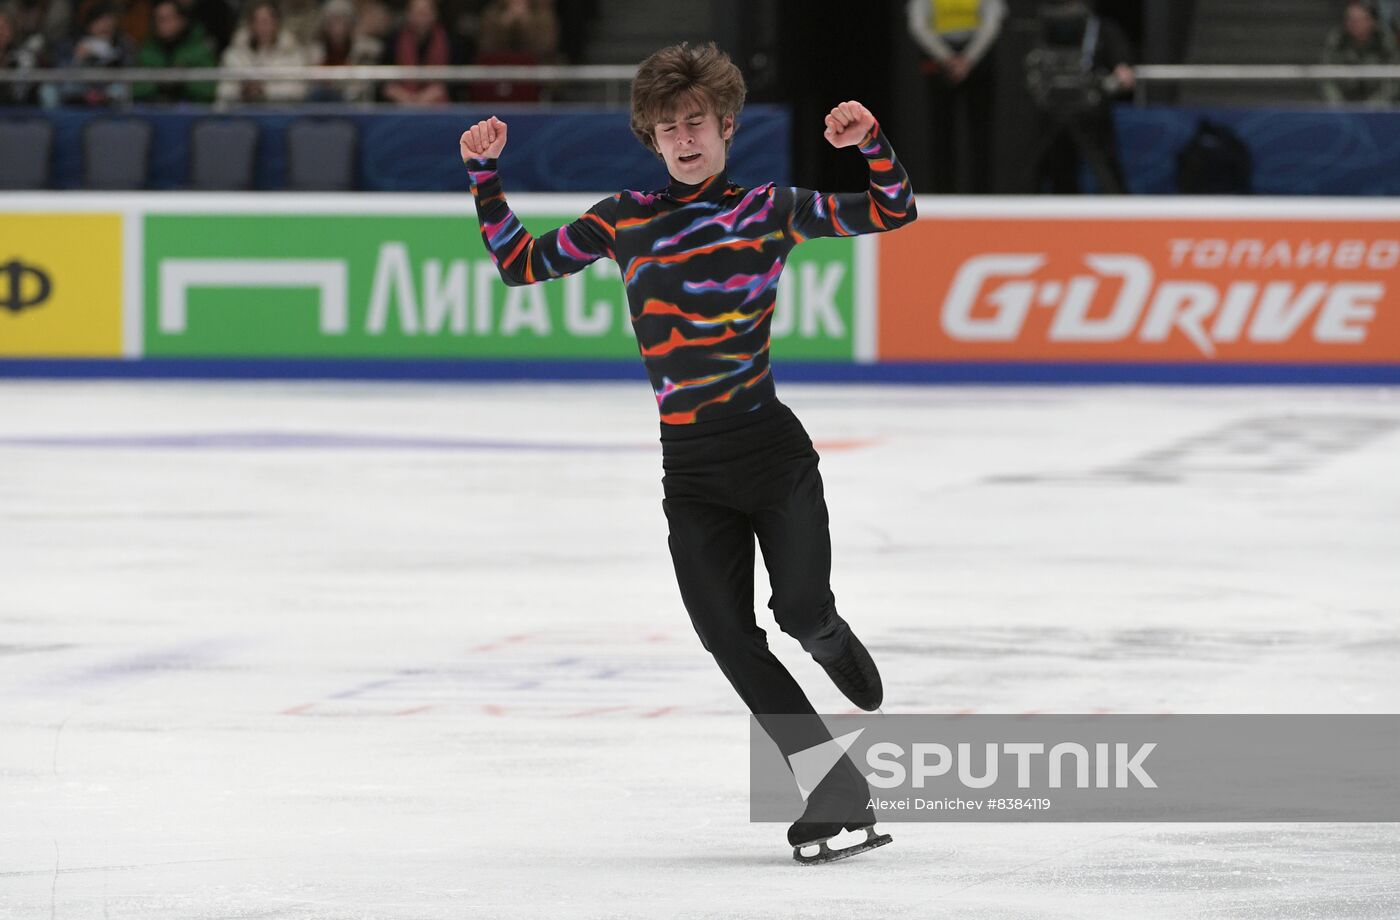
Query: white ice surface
[260, 678]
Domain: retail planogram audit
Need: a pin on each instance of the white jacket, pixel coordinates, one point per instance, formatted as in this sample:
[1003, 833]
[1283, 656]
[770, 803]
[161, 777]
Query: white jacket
[288, 52]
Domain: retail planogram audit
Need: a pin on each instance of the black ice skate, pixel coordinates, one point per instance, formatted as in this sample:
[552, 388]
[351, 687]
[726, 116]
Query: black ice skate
[854, 674]
[840, 802]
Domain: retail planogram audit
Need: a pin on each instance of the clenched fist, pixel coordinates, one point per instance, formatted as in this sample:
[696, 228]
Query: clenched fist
[484, 140]
[847, 124]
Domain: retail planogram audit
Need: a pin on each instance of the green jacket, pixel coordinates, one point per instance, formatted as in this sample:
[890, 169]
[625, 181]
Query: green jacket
[1341, 50]
[192, 50]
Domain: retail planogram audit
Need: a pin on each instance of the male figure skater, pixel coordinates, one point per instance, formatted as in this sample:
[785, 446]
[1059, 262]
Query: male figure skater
[700, 259]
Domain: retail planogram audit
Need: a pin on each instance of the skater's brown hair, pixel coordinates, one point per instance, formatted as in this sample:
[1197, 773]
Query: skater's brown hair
[679, 75]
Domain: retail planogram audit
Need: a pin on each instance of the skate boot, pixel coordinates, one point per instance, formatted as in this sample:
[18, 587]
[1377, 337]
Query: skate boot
[840, 802]
[854, 674]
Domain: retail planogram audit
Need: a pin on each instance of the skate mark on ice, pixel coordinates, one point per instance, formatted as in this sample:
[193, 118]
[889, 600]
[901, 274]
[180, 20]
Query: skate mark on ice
[193, 656]
[1264, 445]
[1145, 643]
[526, 674]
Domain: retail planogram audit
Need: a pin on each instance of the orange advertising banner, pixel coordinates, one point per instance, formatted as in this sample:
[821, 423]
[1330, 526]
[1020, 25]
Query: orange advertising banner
[1140, 289]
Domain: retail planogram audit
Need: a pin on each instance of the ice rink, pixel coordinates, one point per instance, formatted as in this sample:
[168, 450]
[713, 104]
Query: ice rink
[403, 651]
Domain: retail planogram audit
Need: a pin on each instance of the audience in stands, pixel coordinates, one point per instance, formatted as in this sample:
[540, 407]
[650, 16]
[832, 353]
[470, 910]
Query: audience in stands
[163, 34]
[1360, 40]
[17, 52]
[339, 43]
[423, 41]
[263, 42]
[515, 33]
[174, 42]
[100, 44]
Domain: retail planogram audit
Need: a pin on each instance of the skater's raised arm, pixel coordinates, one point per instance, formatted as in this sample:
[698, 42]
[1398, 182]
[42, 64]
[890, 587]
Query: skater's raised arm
[518, 256]
[888, 203]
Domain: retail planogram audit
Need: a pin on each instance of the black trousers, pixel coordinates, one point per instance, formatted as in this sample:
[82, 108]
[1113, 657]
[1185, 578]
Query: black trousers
[728, 483]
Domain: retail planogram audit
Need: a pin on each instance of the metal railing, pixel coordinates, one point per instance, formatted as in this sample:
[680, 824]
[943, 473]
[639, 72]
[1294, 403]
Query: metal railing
[1255, 73]
[612, 77]
[615, 76]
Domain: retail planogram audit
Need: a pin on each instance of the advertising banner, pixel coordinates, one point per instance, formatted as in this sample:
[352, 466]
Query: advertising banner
[1145, 289]
[1030, 290]
[421, 286]
[61, 285]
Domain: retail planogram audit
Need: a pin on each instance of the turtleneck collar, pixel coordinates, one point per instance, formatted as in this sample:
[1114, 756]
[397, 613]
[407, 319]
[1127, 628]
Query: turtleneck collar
[712, 189]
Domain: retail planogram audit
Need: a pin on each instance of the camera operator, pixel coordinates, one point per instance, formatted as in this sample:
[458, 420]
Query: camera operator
[1081, 65]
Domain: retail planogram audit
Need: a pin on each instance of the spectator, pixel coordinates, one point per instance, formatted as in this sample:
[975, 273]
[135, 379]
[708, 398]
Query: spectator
[101, 44]
[1360, 41]
[520, 27]
[136, 20]
[421, 42]
[340, 44]
[51, 20]
[374, 19]
[958, 36]
[218, 18]
[17, 53]
[263, 42]
[301, 18]
[174, 42]
[515, 33]
[1071, 128]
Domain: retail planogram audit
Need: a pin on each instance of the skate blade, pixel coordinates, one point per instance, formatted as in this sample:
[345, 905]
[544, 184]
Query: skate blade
[826, 854]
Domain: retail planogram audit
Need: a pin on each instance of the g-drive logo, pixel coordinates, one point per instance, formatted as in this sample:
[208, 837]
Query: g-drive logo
[992, 295]
[1067, 764]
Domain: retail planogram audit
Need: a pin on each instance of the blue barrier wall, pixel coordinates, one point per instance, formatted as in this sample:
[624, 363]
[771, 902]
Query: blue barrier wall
[1296, 151]
[567, 150]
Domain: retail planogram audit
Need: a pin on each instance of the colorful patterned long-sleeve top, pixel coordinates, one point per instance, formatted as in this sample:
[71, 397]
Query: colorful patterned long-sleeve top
[700, 264]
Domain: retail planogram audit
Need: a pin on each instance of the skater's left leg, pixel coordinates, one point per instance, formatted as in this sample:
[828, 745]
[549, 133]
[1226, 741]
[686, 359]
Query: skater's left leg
[794, 534]
[793, 530]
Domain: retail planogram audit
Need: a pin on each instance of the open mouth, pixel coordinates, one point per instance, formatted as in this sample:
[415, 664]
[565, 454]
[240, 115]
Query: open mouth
[690, 158]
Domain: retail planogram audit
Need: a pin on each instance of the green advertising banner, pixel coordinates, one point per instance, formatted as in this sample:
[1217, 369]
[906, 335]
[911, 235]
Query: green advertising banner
[397, 286]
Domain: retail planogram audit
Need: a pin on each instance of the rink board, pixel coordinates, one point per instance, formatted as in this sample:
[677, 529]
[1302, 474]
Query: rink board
[992, 289]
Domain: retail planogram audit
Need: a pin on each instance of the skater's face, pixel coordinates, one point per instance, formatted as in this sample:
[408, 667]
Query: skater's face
[692, 140]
